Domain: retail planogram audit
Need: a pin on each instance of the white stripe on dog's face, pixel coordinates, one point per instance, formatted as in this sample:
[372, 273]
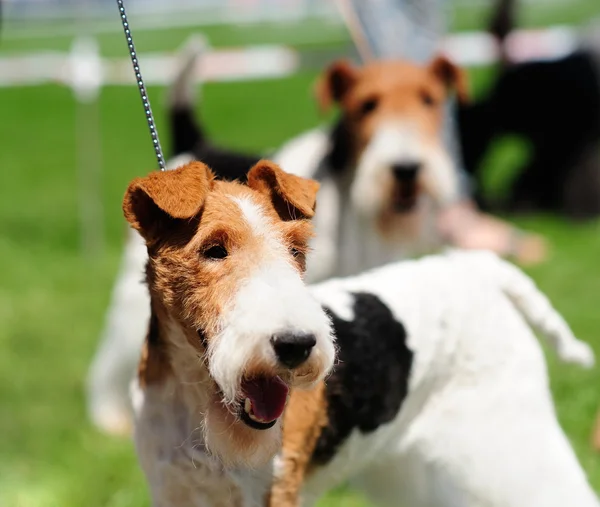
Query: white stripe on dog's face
[272, 300]
[260, 225]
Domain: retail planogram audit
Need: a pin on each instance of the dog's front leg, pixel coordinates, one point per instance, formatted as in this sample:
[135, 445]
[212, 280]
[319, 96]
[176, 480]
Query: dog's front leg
[186, 482]
[303, 421]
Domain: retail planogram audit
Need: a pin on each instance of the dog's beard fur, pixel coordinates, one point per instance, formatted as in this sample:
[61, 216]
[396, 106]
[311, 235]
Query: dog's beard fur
[272, 300]
[373, 185]
[219, 337]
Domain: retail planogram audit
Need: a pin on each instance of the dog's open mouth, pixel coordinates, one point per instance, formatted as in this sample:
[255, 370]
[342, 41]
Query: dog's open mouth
[404, 197]
[263, 401]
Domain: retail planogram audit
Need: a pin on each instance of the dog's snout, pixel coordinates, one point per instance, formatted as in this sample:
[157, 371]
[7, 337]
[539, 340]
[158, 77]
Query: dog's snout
[406, 171]
[292, 349]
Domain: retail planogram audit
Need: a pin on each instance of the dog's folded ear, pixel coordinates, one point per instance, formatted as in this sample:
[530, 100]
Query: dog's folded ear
[154, 202]
[452, 76]
[331, 88]
[292, 196]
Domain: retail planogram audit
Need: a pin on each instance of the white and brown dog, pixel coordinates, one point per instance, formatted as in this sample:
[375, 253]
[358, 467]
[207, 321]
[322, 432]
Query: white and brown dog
[232, 325]
[439, 396]
[384, 172]
[384, 167]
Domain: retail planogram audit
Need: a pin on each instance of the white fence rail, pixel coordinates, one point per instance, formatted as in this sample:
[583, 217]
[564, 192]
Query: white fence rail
[252, 62]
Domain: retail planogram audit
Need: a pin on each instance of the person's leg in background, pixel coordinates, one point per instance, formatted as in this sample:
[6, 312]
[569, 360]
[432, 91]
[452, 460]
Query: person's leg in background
[413, 29]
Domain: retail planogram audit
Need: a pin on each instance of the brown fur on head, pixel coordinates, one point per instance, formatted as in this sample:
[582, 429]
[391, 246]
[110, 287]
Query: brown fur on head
[225, 264]
[392, 119]
[387, 88]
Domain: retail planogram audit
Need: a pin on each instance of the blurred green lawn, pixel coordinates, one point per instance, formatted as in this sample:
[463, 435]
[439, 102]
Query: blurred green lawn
[52, 300]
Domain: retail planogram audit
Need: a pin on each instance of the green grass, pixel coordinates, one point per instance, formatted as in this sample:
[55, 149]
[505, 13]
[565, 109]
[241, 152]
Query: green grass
[52, 298]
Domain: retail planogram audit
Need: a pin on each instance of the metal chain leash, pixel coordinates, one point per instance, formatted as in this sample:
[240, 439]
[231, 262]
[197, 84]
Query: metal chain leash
[142, 88]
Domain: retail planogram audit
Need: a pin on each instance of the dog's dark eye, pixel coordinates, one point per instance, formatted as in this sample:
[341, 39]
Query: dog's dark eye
[298, 254]
[215, 252]
[368, 106]
[427, 98]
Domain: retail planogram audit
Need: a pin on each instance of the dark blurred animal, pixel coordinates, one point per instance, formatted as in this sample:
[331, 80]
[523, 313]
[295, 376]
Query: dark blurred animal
[187, 135]
[555, 106]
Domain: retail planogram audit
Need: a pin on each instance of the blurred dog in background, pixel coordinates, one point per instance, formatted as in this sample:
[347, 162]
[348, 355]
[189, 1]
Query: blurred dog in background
[384, 161]
[383, 166]
[554, 105]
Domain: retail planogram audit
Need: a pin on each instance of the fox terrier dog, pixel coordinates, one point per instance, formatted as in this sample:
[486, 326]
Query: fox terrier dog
[439, 397]
[232, 326]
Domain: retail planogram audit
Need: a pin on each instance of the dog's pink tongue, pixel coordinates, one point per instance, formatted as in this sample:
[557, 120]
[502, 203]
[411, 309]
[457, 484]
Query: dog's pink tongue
[268, 396]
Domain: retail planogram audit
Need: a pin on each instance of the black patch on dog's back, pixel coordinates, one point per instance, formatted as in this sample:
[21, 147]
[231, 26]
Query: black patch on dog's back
[187, 135]
[370, 380]
[226, 164]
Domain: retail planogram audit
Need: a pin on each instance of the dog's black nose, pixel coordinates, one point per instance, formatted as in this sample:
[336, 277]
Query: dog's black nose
[292, 349]
[406, 171]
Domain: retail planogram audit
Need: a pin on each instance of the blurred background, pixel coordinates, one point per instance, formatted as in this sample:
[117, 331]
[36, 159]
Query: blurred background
[69, 144]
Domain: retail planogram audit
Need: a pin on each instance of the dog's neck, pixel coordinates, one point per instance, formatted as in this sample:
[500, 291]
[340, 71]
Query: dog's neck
[360, 237]
[169, 356]
[176, 385]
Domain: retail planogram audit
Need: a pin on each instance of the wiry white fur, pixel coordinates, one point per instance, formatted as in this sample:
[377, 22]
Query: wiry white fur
[478, 426]
[476, 429]
[172, 451]
[273, 300]
[533, 305]
[401, 143]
